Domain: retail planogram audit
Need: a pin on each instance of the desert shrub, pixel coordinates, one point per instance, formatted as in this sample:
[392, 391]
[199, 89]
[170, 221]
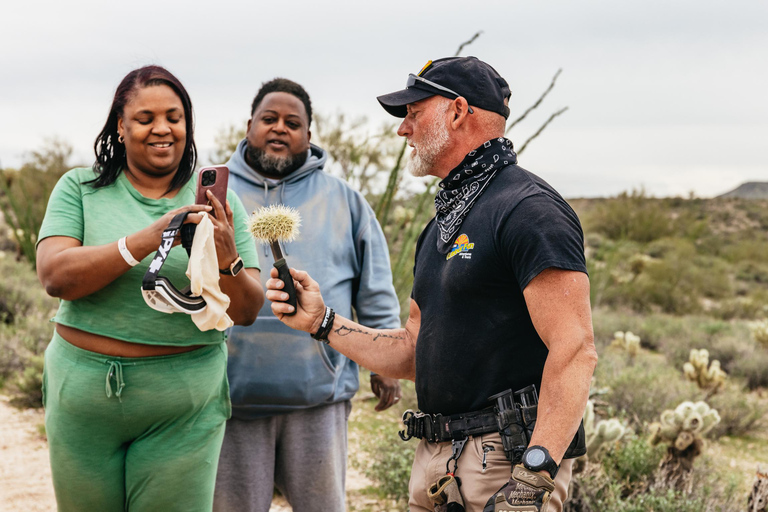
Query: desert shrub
[749, 250]
[750, 307]
[633, 461]
[668, 276]
[392, 468]
[630, 216]
[640, 392]
[26, 332]
[24, 193]
[740, 413]
[383, 457]
[754, 369]
[752, 271]
[623, 484]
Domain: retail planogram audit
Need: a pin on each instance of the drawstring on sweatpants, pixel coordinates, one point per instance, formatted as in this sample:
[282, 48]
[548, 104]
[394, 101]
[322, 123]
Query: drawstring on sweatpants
[116, 371]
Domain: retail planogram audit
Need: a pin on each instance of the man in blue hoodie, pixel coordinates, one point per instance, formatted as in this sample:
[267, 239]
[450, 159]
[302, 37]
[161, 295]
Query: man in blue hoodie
[290, 393]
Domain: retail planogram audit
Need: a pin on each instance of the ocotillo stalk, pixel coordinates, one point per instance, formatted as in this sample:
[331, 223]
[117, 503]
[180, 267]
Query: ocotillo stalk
[271, 225]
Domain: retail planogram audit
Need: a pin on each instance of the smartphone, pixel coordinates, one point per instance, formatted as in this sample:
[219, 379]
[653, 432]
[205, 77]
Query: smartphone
[214, 179]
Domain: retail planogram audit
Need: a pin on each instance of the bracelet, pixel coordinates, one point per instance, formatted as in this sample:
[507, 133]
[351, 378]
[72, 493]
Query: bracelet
[326, 326]
[125, 253]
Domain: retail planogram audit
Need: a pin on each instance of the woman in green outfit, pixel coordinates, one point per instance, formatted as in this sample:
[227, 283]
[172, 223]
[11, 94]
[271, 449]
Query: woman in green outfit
[136, 399]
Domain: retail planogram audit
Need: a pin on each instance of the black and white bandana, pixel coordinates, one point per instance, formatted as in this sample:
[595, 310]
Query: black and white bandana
[464, 184]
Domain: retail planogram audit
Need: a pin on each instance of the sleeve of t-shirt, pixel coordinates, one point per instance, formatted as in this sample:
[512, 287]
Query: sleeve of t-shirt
[64, 213]
[542, 232]
[246, 246]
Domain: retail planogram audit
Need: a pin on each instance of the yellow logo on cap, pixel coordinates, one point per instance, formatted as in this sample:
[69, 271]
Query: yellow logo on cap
[426, 66]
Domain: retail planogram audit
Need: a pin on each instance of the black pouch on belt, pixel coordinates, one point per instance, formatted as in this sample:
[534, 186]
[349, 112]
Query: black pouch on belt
[445, 495]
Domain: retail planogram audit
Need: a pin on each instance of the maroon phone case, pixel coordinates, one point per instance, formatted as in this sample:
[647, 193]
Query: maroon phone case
[218, 187]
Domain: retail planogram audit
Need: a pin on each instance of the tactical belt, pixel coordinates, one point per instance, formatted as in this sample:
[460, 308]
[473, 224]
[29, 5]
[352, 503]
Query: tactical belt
[437, 428]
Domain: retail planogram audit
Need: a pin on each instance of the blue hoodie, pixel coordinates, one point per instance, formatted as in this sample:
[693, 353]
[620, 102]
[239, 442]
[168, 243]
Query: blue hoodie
[274, 369]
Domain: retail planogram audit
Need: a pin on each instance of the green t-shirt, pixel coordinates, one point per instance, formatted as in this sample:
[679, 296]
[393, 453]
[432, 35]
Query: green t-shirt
[104, 215]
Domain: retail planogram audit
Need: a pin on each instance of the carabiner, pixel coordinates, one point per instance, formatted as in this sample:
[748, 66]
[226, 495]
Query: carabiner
[458, 446]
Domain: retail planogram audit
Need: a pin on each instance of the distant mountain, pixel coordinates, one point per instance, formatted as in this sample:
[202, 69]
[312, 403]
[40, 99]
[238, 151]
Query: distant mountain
[749, 190]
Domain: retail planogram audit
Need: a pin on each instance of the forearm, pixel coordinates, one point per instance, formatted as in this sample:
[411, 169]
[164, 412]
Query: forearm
[246, 295]
[71, 271]
[563, 398]
[387, 352]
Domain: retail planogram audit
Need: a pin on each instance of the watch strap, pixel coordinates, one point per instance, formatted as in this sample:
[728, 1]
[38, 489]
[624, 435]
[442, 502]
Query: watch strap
[548, 464]
[234, 268]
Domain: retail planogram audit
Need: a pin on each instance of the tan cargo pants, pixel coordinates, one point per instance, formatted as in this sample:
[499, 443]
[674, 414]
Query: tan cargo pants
[478, 483]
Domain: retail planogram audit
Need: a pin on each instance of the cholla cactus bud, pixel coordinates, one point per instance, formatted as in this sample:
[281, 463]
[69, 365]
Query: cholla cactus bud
[699, 370]
[709, 420]
[693, 419]
[760, 331]
[627, 341]
[684, 440]
[589, 419]
[598, 436]
[606, 432]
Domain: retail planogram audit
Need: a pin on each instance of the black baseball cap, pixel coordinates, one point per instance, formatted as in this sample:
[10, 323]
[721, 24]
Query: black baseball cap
[452, 77]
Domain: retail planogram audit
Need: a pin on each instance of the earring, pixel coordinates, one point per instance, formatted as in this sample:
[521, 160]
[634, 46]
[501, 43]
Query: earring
[120, 139]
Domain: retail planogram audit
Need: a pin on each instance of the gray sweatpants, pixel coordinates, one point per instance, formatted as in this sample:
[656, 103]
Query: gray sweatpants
[302, 453]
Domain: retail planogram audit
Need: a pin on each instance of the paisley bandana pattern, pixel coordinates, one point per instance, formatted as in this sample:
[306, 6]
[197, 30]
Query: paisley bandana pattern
[464, 184]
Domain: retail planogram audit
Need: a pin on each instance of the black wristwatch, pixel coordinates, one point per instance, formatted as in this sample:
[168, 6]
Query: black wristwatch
[234, 268]
[537, 458]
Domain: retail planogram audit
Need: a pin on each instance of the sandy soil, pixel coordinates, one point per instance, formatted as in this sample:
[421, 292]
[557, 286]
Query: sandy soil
[25, 474]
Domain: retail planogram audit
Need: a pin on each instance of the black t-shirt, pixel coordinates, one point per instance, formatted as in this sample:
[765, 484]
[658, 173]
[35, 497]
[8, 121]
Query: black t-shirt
[476, 337]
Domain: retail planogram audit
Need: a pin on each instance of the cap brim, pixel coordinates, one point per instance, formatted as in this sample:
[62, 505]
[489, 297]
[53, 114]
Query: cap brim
[395, 102]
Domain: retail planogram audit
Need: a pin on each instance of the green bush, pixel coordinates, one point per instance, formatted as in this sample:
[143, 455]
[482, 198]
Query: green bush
[24, 193]
[392, 468]
[26, 330]
[741, 414]
[633, 461]
[641, 391]
[632, 216]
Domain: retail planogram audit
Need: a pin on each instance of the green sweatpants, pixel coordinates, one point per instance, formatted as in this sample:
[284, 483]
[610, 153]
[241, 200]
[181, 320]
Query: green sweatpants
[134, 434]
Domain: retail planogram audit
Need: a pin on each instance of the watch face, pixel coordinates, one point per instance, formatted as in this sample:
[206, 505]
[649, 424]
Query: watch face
[535, 457]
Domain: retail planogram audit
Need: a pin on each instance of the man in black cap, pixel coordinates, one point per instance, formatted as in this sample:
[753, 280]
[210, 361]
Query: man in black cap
[500, 302]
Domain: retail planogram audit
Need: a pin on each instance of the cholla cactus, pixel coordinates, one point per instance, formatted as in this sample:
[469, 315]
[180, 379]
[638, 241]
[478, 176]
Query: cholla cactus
[760, 331]
[682, 430]
[598, 436]
[707, 376]
[627, 341]
[638, 263]
[758, 498]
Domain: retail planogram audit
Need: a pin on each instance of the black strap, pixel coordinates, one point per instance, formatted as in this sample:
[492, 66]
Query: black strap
[437, 428]
[169, 235]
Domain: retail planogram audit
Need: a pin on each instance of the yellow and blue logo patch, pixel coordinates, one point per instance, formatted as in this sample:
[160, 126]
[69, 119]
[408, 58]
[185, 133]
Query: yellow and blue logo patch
[462, 246]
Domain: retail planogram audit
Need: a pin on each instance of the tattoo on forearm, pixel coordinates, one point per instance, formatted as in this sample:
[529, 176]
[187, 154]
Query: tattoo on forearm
[343, 330]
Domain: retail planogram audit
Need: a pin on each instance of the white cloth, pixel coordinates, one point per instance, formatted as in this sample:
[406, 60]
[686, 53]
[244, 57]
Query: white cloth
[203, 274]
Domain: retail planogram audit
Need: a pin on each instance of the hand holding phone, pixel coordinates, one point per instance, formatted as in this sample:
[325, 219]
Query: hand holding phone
[215, 179]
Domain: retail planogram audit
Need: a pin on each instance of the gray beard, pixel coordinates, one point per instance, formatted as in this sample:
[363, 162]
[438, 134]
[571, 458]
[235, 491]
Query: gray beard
[273, 166]
[422, 161]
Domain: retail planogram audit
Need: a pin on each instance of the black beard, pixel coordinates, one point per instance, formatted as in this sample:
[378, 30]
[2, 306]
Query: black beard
[273, 166]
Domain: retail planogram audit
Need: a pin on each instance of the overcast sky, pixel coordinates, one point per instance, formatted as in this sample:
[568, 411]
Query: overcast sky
[667, 95]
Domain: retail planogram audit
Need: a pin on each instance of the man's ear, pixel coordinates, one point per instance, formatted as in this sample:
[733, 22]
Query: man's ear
[460, 110]
[309, 135]
[248, 126]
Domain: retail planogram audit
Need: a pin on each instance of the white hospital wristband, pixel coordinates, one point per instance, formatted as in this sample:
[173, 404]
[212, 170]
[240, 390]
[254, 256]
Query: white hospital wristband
[125, 253]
